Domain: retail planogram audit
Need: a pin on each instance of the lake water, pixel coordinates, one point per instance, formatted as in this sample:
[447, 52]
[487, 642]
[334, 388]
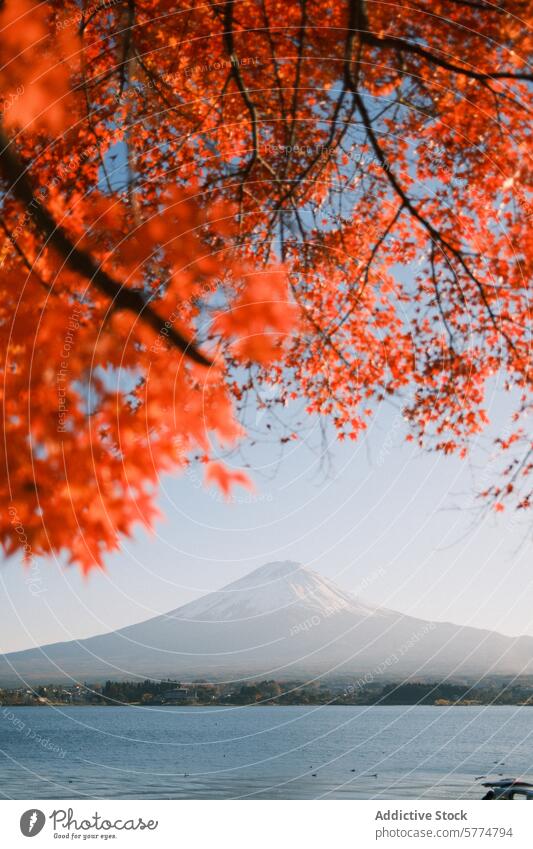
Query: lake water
[260, 752]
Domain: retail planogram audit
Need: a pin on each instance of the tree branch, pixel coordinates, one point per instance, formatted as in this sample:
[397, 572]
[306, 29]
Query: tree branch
[122, 298]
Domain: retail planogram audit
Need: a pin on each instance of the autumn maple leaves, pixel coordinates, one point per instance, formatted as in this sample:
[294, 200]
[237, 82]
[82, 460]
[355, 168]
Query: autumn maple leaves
[194, 224]
[36, 61]
[98, 294]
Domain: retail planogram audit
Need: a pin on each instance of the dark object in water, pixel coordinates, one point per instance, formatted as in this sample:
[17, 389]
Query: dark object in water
[509, 788]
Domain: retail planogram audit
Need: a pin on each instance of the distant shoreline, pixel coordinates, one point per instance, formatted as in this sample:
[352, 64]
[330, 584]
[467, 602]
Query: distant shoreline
[169, 693]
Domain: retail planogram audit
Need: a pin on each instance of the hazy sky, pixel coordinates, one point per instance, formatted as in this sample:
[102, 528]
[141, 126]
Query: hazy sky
[397, 526]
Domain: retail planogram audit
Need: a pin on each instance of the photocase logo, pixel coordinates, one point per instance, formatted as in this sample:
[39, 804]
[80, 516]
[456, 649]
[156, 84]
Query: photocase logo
[32, 822]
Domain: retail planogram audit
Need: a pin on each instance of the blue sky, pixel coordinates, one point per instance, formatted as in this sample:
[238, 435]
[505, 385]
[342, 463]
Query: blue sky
[398, 526]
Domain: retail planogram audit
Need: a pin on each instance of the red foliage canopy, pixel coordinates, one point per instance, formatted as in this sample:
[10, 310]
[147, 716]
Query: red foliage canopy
[335, 197]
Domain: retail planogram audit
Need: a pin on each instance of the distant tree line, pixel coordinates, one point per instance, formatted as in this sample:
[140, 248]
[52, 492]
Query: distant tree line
[270, 692]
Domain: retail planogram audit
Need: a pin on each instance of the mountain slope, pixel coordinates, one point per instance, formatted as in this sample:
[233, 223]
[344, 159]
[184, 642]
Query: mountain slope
[281, 621]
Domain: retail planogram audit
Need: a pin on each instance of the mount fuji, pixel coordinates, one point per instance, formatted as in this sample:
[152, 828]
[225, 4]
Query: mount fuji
[281, 621]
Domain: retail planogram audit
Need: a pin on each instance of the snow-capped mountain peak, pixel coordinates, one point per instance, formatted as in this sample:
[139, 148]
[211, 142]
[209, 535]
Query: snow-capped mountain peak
[279, 586]
[280, 622]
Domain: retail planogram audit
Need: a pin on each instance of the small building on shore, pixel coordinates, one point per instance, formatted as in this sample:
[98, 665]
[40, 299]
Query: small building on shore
[179, 694]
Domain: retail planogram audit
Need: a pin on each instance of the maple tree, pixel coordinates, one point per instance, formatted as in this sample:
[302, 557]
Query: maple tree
[198, 199]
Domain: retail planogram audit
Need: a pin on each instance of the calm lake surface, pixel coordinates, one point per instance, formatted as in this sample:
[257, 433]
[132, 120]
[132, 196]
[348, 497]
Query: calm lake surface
[260, 752]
